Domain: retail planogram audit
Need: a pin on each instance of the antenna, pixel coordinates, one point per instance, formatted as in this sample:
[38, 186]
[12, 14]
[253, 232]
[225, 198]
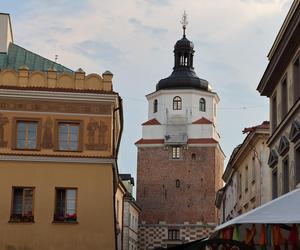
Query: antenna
[184, 22]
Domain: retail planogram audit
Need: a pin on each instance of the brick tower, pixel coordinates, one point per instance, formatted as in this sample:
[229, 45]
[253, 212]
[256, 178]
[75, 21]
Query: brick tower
[180, 161]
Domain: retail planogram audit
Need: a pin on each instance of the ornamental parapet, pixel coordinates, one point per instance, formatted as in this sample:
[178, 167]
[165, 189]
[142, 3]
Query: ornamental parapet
[56, 80]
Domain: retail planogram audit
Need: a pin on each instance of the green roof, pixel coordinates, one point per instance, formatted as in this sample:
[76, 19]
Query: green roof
[18, 57]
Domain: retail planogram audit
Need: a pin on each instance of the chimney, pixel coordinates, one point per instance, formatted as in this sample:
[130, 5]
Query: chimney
[6, 35]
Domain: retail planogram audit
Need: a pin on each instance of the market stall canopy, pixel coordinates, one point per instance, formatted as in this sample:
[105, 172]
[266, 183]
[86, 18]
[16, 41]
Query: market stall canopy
[283, 210]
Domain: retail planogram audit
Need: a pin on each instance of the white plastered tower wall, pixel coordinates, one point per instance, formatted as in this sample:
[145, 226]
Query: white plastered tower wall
[6, 32]
[189, 113]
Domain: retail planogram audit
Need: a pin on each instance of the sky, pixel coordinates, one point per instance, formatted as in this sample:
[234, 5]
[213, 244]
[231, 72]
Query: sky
[134, 39]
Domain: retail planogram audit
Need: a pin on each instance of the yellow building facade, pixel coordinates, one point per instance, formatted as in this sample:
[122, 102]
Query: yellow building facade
[59, 137]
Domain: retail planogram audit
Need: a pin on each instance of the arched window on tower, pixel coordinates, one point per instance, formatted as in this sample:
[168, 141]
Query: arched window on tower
[202, 105]
[177, 104]
[155, 106]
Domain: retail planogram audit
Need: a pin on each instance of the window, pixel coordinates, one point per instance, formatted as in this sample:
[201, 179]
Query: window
[177, 103]
[173, 234]
[296, 79]
[253, 169]
[239, 185]
[193, 156]
[155, 106]
[177, 183]
[68, 134]
[297, 165]
[284, 99]
[215, 109]
[22, 204]
[285, 176]
[246, 179]
[202, 105]
[27, 134]
[274, 112]
[176, 152]
[65, 205]
[274, 184]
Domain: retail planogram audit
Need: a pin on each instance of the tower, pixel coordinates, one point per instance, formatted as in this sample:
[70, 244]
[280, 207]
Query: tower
[180, 161]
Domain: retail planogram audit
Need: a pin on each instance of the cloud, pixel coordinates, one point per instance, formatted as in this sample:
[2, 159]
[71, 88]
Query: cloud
[158, 2]
[98, 50]
[146, 28]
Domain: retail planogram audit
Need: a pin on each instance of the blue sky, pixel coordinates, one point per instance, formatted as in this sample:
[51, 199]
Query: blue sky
[134, 39]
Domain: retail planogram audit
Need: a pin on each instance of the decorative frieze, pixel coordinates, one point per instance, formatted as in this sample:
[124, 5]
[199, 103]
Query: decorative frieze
[3, 121]
[47, 134]
[97, 133]
[58, 107]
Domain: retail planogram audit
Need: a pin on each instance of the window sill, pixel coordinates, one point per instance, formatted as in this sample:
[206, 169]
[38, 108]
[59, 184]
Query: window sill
[66, 151]
[27, 149]
[19, 221]
[65, 222]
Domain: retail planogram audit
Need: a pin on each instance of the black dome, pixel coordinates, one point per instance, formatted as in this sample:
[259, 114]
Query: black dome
[184, 43]
[183, 75]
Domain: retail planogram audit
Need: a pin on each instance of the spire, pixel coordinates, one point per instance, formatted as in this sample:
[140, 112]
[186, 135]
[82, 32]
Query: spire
[184, 22]
[183, 75]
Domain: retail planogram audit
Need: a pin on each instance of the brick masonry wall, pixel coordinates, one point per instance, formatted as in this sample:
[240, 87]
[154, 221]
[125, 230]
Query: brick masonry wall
[154, 236]
[199, 178]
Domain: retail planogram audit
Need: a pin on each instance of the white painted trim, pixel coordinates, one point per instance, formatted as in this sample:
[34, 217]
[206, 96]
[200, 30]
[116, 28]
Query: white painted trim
[54, 95]
[56, 159]
[182, 91]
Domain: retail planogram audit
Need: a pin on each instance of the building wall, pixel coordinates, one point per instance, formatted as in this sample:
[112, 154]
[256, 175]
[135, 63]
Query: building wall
[283, 128]
[288, 74]
[5, 31]
[190, 105]
[158, 195]
[50, 98]
[255, 176]
[119, 210]
[156, 235]
[231, 199]
[94, 229]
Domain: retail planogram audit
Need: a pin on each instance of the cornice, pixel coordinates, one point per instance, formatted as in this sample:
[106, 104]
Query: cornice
[52, 95]
[23, 158]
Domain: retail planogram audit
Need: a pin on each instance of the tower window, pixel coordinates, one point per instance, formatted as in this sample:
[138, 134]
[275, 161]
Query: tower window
[193, 156]
[173, 234]
[202, 105]
[177, 103]
[155, 106]
[176, 152]
[177, 183]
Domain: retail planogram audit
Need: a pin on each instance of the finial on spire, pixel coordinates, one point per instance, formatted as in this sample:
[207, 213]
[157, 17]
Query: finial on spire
[184, 22]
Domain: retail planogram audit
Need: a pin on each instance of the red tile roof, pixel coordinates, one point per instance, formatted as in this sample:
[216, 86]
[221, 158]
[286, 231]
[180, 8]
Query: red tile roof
[152, 122]
[202, 141]
[203, 120]
[150, 141]
[264, 125]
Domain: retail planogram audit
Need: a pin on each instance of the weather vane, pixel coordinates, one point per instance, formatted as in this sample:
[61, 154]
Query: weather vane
[184, 22]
